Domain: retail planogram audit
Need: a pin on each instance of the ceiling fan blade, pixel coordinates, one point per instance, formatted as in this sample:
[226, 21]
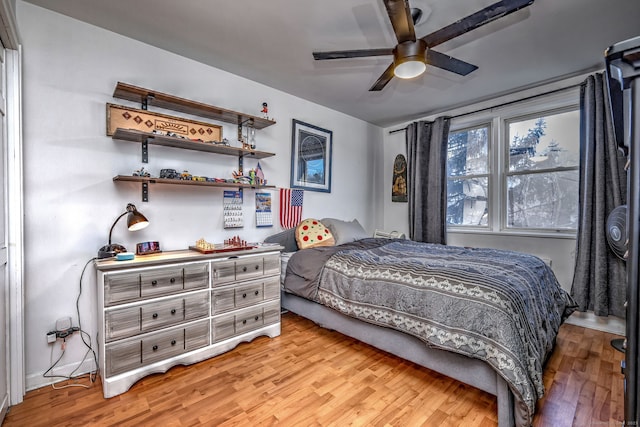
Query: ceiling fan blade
[478, 19]
[360, 53]
[449, 63]
[383, 80]
[400, 15]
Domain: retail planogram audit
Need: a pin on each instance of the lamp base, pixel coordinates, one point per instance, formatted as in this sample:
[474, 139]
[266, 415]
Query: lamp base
[110, 251]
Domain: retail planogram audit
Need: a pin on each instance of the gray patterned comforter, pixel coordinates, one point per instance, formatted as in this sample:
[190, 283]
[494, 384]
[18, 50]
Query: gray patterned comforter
[502, 307]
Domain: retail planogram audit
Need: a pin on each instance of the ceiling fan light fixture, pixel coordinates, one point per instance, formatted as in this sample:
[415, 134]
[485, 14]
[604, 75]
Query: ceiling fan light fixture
[409, 69]
[410, 59]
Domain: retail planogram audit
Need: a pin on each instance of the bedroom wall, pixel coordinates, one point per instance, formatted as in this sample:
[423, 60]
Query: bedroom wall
[560, 251]
[70, 71]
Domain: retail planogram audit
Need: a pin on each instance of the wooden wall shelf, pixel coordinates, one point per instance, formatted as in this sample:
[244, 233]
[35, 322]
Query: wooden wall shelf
[133, 135]
[170, 102]
[151, 180]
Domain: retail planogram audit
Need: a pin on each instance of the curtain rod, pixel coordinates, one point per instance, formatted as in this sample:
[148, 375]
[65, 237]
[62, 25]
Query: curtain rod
[504, 104]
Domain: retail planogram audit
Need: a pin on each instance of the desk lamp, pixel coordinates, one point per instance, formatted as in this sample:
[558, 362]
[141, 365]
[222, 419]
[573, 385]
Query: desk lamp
[135, 221]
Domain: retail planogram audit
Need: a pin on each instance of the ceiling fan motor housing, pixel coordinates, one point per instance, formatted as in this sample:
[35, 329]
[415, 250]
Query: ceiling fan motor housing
[410, 58]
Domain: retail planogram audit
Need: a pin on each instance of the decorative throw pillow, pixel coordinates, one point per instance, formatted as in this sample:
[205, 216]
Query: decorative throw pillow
[345, 231]
[311, 233]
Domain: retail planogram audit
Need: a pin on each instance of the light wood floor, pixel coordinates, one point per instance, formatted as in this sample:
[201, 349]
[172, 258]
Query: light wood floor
[314, 377]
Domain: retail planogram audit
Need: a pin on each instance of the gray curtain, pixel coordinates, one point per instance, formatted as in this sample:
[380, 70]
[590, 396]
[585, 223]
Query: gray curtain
[427, 179]
[599, 280]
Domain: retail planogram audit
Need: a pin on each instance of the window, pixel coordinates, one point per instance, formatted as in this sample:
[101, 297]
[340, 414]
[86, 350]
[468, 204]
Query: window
[515, 168]
[542, 178]
[468, 182]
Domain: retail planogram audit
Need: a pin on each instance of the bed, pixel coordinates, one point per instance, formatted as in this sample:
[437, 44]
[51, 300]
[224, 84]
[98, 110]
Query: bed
[486, 317]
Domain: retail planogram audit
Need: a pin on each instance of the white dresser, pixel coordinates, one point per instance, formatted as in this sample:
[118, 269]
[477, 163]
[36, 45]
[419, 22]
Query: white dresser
[181, 307]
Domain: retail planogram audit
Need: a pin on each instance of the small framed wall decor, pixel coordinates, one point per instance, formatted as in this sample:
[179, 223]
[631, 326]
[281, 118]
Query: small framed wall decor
[310, 157]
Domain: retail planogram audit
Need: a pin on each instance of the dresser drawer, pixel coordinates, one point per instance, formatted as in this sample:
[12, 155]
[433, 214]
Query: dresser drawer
[249, 267]
[228, 325]
[196, 276]
[240, 269]
[223, 272]
[245, 294]
[154, 282]
[162, 345]
[272, 264]
[135, 353]
[249, 320]
[249, 294]
[121, 287]
[223, 327]
[129, 321]
[160, 282]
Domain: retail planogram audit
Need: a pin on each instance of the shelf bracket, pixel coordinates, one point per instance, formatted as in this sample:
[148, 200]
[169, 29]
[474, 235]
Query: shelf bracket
[147, 100]
[145, 150]
[145, 191]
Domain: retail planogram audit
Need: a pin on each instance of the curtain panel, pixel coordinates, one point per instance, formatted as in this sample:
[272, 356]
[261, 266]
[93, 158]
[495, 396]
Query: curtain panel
[427, 179]
[599, 281]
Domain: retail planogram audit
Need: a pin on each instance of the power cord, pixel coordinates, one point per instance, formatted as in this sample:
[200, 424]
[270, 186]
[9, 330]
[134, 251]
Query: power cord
[86, 339]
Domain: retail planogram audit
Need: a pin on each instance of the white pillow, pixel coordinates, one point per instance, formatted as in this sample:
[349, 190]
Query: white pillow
[345, 231]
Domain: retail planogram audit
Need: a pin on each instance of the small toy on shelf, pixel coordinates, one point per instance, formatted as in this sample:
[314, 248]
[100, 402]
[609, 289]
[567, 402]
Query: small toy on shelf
[142, 172]
[169, 174]
[265, 110]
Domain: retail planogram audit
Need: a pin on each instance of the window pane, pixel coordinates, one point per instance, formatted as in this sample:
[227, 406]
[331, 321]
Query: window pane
[545, 142]
[467, 201]
[543, 200]
[467, 152]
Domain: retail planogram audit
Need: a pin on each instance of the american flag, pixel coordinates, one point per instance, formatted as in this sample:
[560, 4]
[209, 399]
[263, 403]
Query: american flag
[290, 207]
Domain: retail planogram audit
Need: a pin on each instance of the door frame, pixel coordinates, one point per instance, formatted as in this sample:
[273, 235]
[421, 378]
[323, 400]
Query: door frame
[14, 192]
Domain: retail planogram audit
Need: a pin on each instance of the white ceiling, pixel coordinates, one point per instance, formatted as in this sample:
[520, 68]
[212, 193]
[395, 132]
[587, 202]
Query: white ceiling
[271, 42]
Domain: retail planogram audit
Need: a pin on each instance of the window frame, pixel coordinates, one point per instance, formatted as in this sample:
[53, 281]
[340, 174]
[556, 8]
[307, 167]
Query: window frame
[498, 154]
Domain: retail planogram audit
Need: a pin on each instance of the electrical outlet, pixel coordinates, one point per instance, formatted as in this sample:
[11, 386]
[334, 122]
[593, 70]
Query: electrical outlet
[51, 337]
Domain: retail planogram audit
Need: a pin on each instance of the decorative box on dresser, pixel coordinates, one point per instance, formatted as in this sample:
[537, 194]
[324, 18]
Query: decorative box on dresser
[180, 307]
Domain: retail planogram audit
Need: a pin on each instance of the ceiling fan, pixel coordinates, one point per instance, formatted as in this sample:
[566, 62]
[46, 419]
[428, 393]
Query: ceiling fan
[411, 55]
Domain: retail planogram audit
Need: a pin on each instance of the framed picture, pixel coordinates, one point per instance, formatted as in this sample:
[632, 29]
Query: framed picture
[310, 157]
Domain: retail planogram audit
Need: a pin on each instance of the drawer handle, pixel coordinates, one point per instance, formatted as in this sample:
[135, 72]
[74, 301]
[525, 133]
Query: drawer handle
[155, 348]
[154, 282]
[257, 267]
[244, 268]
[173, 342]
[172, 280]
[244, 322]
[257, 317]
[244, 295]
[154, 315]
[173, 311]
[257, 292]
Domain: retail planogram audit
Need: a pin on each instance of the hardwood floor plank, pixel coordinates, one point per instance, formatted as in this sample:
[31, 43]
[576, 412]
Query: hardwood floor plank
[315, 377]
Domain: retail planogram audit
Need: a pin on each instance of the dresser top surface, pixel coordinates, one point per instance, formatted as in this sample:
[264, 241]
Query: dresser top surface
[185, 255]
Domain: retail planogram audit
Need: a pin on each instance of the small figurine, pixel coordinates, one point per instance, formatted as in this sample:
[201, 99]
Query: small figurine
[141, 172]
[265, 110]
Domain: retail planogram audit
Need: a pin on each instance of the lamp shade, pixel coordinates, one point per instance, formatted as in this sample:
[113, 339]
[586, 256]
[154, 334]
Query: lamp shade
[135, 221]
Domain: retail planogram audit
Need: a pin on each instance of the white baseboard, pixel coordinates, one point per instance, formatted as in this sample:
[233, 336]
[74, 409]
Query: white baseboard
[611, 324]
[35, 381]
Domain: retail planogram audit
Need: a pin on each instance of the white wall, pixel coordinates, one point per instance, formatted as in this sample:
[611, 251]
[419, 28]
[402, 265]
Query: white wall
[70, 71]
